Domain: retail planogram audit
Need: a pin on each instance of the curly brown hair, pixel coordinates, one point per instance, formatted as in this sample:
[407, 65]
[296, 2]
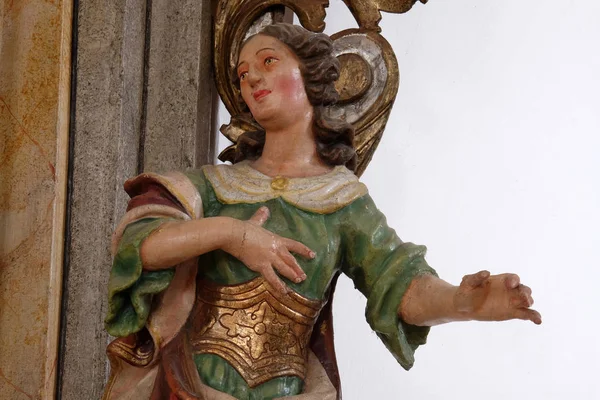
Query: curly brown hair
[320, 69]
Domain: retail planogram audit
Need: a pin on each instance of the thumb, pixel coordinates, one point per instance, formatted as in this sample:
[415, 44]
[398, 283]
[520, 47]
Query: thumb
[475, 280]
[260, 216]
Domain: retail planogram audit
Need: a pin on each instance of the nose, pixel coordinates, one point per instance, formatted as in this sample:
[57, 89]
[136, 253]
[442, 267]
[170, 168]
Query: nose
[254, 77]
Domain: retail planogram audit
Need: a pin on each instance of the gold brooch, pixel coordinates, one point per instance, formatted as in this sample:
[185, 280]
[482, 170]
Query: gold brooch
[279, 183]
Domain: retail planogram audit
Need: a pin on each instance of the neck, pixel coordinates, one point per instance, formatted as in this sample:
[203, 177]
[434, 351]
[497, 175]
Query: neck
[291, 152]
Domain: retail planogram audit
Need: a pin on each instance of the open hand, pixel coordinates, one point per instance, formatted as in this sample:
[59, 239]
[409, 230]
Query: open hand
[486, 297]
[264, 252]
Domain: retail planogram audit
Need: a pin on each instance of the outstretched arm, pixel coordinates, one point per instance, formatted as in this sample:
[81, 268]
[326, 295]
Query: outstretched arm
[432, 301]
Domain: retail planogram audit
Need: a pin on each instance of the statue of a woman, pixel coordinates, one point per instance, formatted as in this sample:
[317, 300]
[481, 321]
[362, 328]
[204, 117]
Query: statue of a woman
[221, 276]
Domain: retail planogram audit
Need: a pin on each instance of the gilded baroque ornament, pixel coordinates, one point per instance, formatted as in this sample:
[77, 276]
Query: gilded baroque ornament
[369, 75]
[260, 332]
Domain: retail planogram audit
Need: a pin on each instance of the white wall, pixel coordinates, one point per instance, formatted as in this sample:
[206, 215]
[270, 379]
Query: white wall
[490, 158]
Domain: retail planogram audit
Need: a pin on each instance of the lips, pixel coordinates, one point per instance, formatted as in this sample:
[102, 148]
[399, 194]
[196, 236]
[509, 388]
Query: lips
[259, 94]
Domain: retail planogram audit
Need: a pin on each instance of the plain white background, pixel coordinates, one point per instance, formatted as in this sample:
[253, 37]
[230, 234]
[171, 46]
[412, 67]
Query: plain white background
[491, 158]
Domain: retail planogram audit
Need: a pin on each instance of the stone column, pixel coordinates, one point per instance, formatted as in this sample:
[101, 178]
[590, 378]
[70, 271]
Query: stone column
[179, 117]
[35, 48]
[143, 100]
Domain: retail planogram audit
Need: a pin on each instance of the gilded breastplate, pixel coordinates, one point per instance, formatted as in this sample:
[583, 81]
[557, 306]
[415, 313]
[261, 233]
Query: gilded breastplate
[260, 332]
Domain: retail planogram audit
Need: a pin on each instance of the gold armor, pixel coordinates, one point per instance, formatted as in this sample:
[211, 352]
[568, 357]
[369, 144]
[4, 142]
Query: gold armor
[262, 333]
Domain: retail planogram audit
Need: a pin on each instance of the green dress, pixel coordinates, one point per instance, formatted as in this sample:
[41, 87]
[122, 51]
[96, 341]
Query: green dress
[347, 232]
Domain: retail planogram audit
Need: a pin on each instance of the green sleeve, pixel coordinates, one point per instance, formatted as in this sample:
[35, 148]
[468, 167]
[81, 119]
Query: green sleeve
[130, 289]
[382, 267]
[210, 204]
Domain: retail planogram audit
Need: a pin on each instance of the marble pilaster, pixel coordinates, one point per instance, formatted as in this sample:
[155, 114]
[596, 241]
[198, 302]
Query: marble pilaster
[35, 49]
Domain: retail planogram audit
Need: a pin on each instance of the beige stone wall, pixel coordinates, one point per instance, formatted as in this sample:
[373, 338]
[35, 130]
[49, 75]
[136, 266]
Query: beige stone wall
[35, 46]
[142, 101]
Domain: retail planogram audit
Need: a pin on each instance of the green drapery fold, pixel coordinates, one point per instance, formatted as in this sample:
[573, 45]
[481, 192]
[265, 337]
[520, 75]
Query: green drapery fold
[382, 267]
[130, 289]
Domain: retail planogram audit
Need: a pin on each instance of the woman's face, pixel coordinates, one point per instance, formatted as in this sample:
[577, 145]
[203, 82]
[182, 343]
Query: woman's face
[271, 82]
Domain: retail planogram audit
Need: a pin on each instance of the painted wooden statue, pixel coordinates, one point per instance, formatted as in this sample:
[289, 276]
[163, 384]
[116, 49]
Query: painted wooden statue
[222, 277]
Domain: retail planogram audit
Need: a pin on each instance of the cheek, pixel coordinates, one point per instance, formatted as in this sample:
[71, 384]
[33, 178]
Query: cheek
[291, 86]
[246, 93]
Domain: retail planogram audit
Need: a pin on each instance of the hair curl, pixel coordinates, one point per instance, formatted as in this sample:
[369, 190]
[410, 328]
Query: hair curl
[320, 69]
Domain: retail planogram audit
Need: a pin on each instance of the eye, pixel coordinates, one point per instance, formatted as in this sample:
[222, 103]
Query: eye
[270, 60]
[243, 76]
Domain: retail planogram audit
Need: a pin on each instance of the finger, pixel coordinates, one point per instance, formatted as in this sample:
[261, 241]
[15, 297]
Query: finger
[271, 277]
[299, 248]
[522, 300]
[529, 301]
[284, 269]
[525, 295]
[528, 315]
[524, 289]
[512, 281]
[260, 216]
[475, 280]
[291, 262]
[521, 297]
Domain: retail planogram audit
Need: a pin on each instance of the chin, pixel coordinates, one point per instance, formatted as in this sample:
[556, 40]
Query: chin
[265, 114]
[265, 121]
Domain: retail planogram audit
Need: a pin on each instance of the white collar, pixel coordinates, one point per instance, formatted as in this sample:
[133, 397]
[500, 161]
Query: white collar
[323, 194]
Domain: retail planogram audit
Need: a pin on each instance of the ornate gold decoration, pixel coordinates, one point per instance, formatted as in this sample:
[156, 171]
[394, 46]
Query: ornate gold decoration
[370, 109]
[367, 13]
[355, 78]
[368, 81]
[137, 350]
[260, 332]
[279, 183]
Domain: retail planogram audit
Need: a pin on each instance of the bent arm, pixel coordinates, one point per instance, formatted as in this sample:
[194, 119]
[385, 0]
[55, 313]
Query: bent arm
[166, 243]
[260, 250]
[177, 241]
